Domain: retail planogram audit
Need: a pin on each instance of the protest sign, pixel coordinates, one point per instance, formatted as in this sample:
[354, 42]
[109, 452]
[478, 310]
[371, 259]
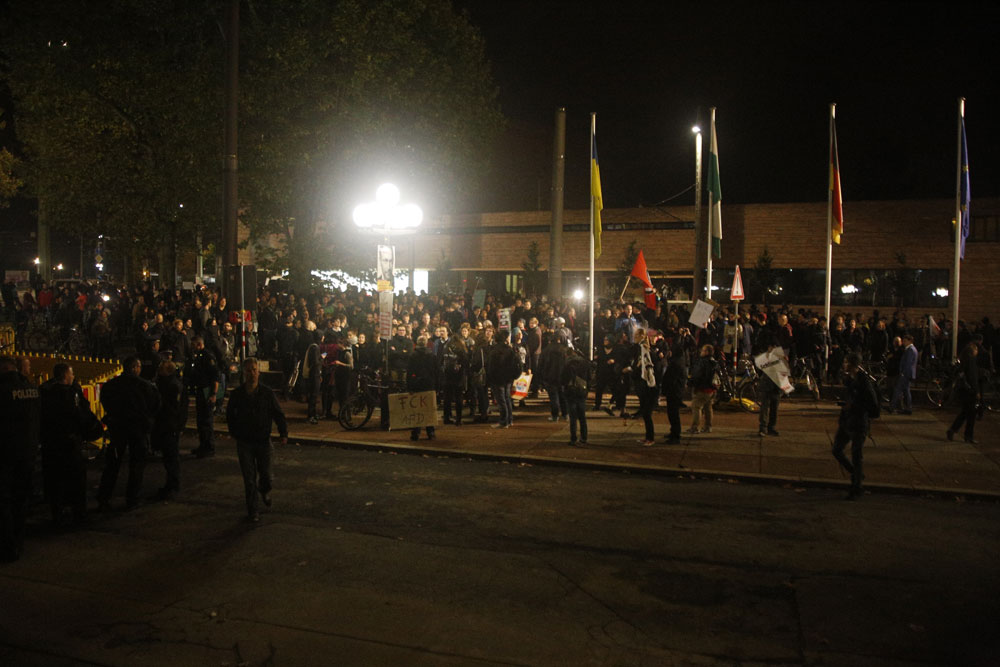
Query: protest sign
[385, 314]
[700, 314]
[412, 410]
[775, 365]
[505, 319]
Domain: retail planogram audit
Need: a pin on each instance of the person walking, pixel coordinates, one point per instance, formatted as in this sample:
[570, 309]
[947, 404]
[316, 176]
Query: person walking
[704, 382]
[167, 427]
[969, 392]
[253, 409]
[575, 376]
[853, 425]
[672, 387]
[502, 368]
[644, 375]
[130, 406]
[67, 422]
[201, 375]
[902, 400]
[19, 425]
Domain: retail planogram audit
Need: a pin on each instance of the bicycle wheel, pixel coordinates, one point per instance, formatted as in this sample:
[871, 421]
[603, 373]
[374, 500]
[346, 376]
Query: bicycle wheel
[355, 413]
[37, 341]
[77, 343]
[749, 398]
[938, 392]
[811, 384]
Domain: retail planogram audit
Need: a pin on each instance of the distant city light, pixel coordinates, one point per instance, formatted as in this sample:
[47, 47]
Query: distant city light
[38, 261]
[696, 129]
[59, 267]
[849, 289]
[106, 297]
[941, 292]
[99, 266]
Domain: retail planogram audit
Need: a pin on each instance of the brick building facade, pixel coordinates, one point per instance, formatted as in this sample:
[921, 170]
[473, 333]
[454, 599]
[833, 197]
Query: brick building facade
[894, 253]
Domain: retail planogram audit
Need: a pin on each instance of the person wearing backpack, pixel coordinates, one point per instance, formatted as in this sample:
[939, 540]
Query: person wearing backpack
[454, 364]
[704, 375]
[574, 378]
[856, 412]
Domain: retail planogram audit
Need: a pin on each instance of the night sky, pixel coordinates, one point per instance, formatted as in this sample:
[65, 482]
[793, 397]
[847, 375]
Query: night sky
[652, 69]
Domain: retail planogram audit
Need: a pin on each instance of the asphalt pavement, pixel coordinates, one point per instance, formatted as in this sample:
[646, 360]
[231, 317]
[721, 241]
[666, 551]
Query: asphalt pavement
[905, 454]
[379, 557]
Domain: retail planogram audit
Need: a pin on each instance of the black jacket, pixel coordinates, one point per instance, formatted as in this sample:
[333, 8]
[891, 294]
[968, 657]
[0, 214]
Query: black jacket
[67, 421]
[861, 400]
[674, 378]
[249, 416]
[19, 417]
[421, 370]
[130, 405]
[171, 416]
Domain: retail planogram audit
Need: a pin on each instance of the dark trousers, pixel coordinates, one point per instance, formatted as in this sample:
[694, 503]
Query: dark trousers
[854, 466]
[674, 415]
[577, 413]
[620, 392]
[557, 399]
[966, 416]
[603, 384]
[453, 401]
[647, 401]
[135, 445]
[65, 479]
[255, 464]
[770, 396]
[15, 489]
[329, 391]
[312, 385]
[501, 392]
[205, 418]
[168, 442]
[482, 395]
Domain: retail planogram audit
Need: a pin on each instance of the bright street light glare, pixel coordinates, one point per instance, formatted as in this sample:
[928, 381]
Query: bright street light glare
[696, 130]
[578, 294]
[38, 261]
[387, 195]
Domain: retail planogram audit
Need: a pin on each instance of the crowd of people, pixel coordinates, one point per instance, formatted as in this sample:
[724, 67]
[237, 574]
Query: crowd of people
[186, 345]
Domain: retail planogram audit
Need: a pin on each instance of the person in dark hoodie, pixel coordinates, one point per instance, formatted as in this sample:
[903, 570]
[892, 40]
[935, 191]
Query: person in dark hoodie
[252, 410]
[672, 387]
[421, 375]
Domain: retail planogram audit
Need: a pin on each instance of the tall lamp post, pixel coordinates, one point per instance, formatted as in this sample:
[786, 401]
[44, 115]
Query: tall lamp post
[699, 232]
[388, 216]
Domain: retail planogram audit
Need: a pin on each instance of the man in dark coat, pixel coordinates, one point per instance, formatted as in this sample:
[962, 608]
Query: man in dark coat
[168, 425]
[201, 376]
[130, 406]
[19, 422]
[421, 375]
[551, 361]
[969, 392]
[574, 380]
[67, 422]
[252, 410]
[672, 387]
[853, 425]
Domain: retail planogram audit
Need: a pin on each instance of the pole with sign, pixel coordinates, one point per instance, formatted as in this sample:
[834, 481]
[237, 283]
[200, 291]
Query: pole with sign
[736, 295]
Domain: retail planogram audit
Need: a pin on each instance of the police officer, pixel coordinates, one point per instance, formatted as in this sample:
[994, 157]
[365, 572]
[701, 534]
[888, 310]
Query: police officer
[201, 376]
[130, 406]
[67, 422]
[19, 418]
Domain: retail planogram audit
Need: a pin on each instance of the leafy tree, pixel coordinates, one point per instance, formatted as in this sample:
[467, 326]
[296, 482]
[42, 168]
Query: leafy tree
[533, 274]
[765, 278]
[617, 284]
[119, 109]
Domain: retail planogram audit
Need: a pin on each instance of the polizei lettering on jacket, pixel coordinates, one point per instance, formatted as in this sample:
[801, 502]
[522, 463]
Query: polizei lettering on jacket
[24, 394]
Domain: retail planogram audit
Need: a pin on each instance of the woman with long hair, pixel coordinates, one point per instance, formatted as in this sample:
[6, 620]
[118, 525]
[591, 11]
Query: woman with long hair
[644, 378]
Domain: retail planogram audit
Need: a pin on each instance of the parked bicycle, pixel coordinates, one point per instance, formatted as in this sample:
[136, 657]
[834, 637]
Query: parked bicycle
[358, 409]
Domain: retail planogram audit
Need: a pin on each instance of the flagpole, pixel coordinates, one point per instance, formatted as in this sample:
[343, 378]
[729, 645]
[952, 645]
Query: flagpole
[829, 224]
[627, 280]
[711, 210]
[590, 298]
[957, 269]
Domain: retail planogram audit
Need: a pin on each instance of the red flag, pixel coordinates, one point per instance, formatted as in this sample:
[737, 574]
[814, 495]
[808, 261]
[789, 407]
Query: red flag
[641, 273]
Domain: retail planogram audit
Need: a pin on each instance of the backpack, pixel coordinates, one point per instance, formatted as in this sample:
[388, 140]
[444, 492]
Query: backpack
[874, 407]
[450, 364]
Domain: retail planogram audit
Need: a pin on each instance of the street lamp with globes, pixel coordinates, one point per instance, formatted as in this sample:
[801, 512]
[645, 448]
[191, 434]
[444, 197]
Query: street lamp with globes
[386, 215]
